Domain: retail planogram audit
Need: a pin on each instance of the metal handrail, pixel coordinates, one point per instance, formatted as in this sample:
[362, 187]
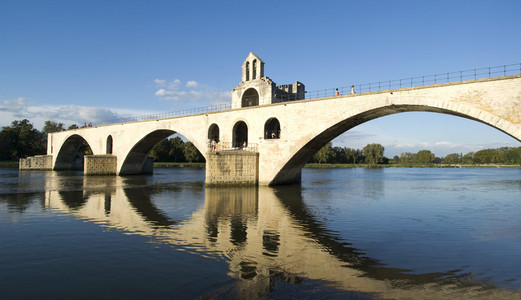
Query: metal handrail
[186, 112]
[457, 76]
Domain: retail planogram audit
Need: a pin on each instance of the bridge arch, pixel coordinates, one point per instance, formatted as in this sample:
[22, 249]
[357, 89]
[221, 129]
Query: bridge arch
[69, 156]
[306, 148]
[136, 158]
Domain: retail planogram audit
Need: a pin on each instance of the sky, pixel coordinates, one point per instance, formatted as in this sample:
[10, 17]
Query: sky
[89, 61]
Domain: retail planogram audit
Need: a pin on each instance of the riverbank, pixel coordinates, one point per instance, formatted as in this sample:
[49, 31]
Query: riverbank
[411, 166]
[9, 164]
[14, 164]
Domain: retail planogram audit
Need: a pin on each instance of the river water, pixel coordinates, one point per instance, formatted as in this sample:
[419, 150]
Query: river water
[342, 234]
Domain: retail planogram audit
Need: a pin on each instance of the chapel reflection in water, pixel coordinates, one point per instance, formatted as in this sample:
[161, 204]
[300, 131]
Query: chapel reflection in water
[266, 234]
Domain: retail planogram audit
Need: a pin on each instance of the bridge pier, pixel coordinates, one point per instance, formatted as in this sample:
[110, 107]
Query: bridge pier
[232, 167]
[38, 162]
[100, 165]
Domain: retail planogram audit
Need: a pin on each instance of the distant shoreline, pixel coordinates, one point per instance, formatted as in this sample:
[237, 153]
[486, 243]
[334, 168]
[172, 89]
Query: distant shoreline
[14, 164]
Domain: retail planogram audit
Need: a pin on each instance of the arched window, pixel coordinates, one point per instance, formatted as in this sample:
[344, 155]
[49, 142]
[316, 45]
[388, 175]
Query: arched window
[272, 129]
[247, 70]
[254, 75]
[240, 135]
[213, 133]
[250, 98]
[109, 144]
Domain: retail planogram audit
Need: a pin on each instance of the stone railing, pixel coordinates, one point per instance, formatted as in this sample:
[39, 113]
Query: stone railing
[227, 146]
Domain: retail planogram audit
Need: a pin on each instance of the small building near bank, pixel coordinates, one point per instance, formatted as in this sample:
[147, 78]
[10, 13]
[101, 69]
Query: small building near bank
[256, 89]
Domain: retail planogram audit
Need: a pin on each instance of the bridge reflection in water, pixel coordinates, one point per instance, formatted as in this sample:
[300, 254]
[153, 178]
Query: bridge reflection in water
[265, 234]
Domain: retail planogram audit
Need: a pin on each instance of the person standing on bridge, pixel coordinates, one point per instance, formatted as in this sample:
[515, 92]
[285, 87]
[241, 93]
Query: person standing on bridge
[337, 93]
[353, 89]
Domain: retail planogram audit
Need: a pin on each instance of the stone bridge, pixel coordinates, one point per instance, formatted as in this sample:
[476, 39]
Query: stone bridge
[281, 137]
[269, 134]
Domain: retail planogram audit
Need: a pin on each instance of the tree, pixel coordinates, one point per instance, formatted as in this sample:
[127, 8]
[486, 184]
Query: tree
[324, 154]
[161, 152]
[50, 127]
[73, 126]
[353, 156]
[21, 139]
[191, 153]
[424, 157]
[177, 149]
[374, 154]
[452, 158]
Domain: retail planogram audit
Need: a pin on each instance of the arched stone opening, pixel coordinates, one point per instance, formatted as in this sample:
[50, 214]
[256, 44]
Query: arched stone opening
[254, 75]
[213, 133]
[240, 134]
[135, 161]
[70, 156]
[272, 129]
[290, 172]
[109, 144]
[250, 98]
[247, 71]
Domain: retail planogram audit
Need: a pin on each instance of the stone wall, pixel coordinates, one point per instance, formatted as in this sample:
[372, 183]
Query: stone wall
[38, 162]
[100, 164]
[236, 167]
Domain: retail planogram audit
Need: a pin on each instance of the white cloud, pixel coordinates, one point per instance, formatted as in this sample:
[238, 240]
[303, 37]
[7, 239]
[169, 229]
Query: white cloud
[193, 91]
[191, 84]
[163, 83]
[22, 108]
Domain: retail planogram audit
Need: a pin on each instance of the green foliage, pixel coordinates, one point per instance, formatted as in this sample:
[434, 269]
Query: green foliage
[50, 127]
[191, 153]
[374, 154]
[423, 157]
[175, 150]
[21, 140]
[324, 154]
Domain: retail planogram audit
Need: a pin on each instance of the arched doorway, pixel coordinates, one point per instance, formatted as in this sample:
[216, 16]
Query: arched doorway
[250, 98]
[109, 144]
[272, 129]
[240, 134]
[213, 133]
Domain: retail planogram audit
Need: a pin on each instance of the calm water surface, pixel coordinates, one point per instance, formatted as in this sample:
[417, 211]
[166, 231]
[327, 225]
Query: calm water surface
[343, 234]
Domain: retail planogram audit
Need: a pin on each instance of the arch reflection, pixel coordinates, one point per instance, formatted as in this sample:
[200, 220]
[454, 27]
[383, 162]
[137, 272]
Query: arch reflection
[266, 235]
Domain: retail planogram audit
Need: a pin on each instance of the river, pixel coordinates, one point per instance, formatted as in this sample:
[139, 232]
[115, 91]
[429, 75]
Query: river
[390, 233]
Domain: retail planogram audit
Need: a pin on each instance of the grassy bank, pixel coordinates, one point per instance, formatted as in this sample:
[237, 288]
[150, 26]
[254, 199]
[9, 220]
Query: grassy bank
[411, 166]
[8, 164]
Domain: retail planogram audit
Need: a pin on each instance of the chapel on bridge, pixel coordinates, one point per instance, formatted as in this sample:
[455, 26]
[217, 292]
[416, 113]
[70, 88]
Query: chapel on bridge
[257, 89]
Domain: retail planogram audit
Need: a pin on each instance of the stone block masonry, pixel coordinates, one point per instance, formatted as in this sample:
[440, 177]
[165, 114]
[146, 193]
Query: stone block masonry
[100, 165]
[237, 167]
[38, 162]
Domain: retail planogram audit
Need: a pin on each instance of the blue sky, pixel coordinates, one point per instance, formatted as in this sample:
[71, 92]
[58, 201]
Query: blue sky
[87, 61]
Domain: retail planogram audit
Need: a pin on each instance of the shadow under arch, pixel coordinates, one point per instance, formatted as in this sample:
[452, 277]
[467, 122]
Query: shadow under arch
[291, 171]
[136, 159]
[134, 162]
[70, 156]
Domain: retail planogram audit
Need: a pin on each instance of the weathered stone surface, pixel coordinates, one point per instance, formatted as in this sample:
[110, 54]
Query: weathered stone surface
[100, 164]
[237, 167]
[38, 162]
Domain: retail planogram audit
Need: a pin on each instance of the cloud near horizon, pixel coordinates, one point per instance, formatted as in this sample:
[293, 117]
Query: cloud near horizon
[175, 90]
[23, 108]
